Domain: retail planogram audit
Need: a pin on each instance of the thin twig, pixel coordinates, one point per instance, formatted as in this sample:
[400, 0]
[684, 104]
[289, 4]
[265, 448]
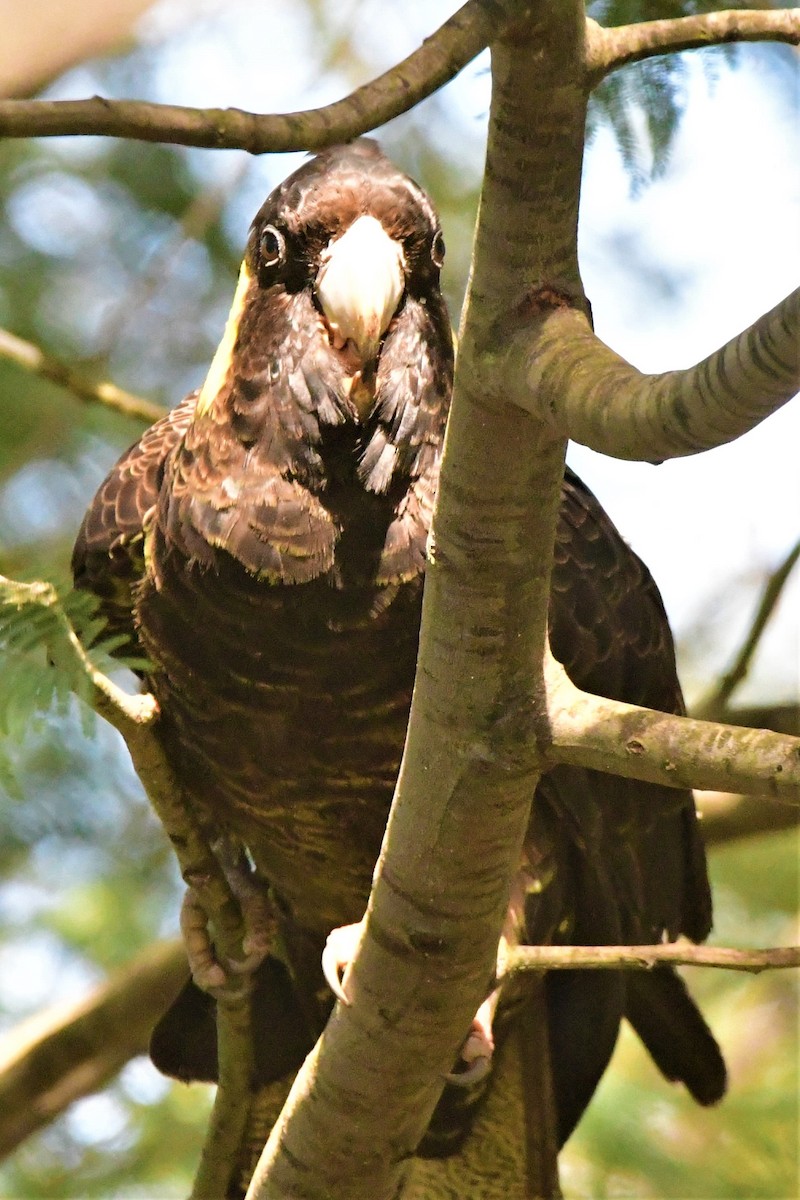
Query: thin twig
[433, 64]
[32, 358]
[193, 224]
[609, 49]
[135, 717]
[714, 705]
[569, 958]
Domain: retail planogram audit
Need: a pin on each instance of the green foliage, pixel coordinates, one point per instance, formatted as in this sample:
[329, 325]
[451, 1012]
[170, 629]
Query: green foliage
[642, 104]
[49, 642]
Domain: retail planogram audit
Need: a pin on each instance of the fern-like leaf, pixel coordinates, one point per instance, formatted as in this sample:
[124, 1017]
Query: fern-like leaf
[643, 103]
[49, 637]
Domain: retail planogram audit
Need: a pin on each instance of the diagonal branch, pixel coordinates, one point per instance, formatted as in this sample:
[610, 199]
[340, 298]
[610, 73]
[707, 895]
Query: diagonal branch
[135, 718]
[48, 1063]
[640, 743]
[565, 375]
[433, 64]
[713, 706]
[609, 49]
[32, 358]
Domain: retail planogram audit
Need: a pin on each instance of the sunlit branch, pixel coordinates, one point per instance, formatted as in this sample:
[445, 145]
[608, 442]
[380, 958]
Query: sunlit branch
[56, 1058]
[566, 375]
[125, 712]
[712, 707]
[32, 358]
[640, 743]
[569, 958]
[609, 49]
[434, 63]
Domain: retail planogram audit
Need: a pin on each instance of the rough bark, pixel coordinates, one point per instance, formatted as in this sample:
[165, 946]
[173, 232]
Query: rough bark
[608, 735]
[470, 766]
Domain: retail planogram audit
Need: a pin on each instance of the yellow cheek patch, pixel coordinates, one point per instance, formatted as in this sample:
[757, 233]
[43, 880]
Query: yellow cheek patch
[221, 362]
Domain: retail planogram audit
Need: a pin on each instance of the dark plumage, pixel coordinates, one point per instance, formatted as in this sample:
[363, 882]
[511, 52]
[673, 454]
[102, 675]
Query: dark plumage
[264, 545]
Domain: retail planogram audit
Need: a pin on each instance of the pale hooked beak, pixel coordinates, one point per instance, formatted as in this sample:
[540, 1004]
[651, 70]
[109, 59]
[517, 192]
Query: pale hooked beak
[359, 285]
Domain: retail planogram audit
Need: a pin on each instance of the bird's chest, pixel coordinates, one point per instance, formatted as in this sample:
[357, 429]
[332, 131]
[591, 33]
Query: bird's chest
[285, 710]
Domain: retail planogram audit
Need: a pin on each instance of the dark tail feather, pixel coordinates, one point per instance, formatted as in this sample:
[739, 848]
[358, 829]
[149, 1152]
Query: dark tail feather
[584, 1011]
[184, 1042]
[672, 1028]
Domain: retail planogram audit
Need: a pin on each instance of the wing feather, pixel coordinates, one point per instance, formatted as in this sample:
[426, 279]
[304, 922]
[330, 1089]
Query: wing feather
[108, 558]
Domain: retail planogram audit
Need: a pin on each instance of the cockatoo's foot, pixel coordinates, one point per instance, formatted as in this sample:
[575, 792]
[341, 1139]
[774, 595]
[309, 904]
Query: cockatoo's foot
[475, 1057]
[228, 976]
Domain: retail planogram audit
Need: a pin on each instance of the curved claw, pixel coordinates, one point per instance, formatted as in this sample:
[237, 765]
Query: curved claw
[478, 1048]
[340, 948]
[479, 1065]
[475, 1072]
[208, 972]
[248, 964]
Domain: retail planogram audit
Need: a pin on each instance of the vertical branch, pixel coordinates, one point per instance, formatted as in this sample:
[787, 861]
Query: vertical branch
[228, 1123]
[470, 765]
[200, 868]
